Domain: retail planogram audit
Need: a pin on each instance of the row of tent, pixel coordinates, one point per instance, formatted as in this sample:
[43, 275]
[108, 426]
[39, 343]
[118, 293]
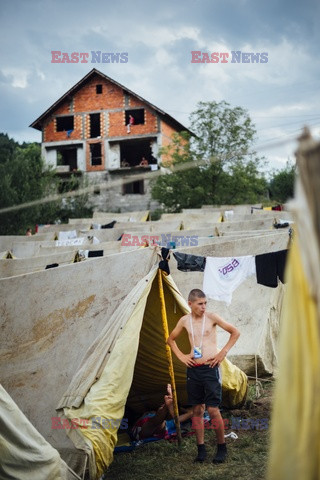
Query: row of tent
[92, 329]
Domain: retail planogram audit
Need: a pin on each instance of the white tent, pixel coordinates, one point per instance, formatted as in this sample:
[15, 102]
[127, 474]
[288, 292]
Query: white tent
[255, 309]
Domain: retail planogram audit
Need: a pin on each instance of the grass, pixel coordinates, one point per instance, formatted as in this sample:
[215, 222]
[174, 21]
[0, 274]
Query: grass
[247, 455]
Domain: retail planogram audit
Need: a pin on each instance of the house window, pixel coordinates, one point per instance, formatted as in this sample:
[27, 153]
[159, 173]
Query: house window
[98, 89]
[95, 125]
[138, 116]
[65, 123]
[134, 187]
[95, 154]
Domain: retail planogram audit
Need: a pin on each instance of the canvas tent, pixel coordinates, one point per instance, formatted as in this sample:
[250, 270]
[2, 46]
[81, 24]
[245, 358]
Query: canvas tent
[25, 454]
[255, 309]
[18, 266]
[128, 359]
[82, 322]
[295, 429]
[48, 320]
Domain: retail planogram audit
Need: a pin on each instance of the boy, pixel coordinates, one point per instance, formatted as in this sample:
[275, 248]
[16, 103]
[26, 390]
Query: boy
[203, 375]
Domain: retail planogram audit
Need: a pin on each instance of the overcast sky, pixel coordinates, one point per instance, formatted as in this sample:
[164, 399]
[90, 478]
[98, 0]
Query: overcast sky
[281, 95]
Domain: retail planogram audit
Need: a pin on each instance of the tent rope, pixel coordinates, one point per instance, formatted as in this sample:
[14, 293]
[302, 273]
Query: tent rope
[169, 357]
[258, 384]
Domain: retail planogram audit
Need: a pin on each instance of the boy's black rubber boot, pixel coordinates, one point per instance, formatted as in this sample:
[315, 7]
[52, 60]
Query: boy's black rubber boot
[221, 454]
[202, 454]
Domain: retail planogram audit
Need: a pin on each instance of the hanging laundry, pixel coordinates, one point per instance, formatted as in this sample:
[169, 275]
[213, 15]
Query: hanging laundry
[95, 253]
[109, 225]
[189, 263]
[52, 265]
[83, 253]
[163, 264]
[222, 275]
[281, 225]
[270, 267]
[67, 235]
[69, 241]
[228, 214]
[92, 239]
[277, 208]
[256, 208]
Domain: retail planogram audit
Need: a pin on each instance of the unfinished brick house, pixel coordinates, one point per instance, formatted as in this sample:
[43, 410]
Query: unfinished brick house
[103, 130]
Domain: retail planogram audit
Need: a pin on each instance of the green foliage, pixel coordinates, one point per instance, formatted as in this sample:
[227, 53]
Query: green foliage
[219, 167]
[24, 178]
[77, 206]
[223, 132]
[156, 214]
[179, 150]
[282, 183]
[180, 190]
[7, 148]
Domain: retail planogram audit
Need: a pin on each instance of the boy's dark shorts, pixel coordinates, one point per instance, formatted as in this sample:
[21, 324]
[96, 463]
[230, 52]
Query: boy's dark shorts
[204, 385]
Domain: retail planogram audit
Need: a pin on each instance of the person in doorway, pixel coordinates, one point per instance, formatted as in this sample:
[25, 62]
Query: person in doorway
[144, 162]
[154, 424]
[203, 373]
[124, 163]
[130, 123]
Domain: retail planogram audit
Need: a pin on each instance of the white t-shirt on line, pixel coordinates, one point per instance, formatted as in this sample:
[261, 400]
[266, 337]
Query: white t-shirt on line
[222, 275]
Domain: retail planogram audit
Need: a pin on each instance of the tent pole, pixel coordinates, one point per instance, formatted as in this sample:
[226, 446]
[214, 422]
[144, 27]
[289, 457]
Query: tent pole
[169, 357]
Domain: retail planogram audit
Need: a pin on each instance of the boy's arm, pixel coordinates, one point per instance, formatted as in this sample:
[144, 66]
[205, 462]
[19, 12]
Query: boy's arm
[186, 359]
[234, 335]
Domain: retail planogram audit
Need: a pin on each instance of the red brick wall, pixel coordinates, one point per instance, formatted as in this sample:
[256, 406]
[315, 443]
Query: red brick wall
[86, 133]
[135, 102]
[94, 168]
[63, 109]
[51, 135]
[167, 133]
[86, 99]
[118, 128]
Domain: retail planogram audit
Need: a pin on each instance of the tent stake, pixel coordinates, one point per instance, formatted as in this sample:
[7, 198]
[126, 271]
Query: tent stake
[169, 357]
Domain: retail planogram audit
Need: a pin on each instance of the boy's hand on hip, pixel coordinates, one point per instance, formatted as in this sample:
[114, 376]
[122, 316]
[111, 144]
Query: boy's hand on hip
[217, 359]
[187, 360]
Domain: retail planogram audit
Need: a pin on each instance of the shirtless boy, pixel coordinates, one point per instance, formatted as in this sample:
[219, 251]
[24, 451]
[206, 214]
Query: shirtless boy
[203, 375]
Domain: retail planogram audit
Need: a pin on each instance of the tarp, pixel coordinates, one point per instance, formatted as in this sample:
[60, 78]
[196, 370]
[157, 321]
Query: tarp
[30, 249]
[295, 435]
[129, 361]
[255, 309]
[34, 250]
[6, 241]
[48, 320]
[84, 225]
[135, 216]
[24, 453]
[295, 441]
[18, 266]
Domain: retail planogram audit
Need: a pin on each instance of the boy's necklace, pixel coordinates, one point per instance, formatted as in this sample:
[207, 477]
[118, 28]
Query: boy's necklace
[202, 332]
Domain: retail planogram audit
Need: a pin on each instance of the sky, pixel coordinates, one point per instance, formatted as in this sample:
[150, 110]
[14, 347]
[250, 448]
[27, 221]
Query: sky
[281, 95]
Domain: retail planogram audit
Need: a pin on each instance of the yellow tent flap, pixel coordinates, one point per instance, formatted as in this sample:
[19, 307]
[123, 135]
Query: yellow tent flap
[136, 372]
[295, 440]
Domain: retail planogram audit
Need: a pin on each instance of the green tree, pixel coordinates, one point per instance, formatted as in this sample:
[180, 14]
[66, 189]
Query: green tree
[24, 178]
[7, 148]
[222, 133]
[220, 164]
[281, 184]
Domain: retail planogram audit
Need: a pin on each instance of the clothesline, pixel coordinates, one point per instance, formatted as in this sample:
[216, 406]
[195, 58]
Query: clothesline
[222, 275]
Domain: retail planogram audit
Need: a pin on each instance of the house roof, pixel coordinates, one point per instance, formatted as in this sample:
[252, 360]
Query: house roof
[164, 116]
